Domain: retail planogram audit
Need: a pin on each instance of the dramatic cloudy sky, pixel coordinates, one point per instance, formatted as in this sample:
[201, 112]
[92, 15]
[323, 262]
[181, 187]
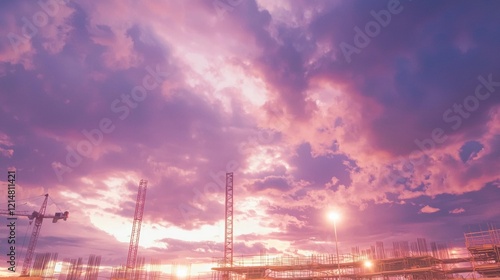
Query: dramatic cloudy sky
[387, 111]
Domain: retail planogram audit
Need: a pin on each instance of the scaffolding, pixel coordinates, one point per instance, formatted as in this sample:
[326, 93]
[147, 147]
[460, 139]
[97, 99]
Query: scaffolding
[145, 270]
[484, 247]
[326, 267]
[405, 261]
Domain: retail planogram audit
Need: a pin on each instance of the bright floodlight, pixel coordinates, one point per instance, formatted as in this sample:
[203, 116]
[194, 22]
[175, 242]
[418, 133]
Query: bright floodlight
[333, 216]
[368, 264]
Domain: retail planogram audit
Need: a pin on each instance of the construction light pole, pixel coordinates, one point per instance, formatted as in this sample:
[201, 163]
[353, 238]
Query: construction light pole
[334, 217]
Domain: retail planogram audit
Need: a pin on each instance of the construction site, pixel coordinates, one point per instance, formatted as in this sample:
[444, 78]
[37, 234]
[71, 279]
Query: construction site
[415, 260]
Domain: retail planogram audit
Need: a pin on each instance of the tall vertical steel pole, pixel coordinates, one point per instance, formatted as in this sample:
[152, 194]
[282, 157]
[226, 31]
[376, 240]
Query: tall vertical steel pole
[228, 235]
[336, 246]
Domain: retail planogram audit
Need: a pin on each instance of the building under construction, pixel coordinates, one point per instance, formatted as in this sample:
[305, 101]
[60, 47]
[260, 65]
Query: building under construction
[405, 261]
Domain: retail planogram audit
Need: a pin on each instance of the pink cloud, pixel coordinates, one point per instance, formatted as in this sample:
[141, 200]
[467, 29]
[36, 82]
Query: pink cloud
[457, 211]
[262, 90]
[429, 209]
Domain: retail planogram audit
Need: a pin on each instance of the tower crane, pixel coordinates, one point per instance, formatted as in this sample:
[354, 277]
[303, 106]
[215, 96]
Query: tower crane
[38, 218]
[228, 235]
[32, 215]
[136, 229]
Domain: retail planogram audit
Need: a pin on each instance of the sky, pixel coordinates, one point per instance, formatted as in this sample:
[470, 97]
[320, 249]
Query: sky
[385, 111]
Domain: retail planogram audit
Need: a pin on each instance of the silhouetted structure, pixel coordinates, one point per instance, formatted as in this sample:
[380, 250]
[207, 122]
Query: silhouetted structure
[136, 231]
[92, 271]
[484, 247]
[75, 269]
[44, 265]
[408, 262]
[228, 233]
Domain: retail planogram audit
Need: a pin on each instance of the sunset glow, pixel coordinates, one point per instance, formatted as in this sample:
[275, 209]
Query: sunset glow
[350, 130]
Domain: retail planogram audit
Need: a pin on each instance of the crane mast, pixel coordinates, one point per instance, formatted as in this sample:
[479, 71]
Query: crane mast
[228, 234]
[34, 238]
[136, 228]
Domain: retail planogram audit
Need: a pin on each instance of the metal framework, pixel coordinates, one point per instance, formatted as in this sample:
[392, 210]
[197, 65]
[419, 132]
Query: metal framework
[136, 227]
[376, 263]
[34, 238]
[44, 265]
[228, 236]
[92, 269]
[75, 269]
[484, 248]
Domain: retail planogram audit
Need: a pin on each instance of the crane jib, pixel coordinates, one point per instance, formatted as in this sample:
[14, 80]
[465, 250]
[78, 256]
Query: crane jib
[38, 217]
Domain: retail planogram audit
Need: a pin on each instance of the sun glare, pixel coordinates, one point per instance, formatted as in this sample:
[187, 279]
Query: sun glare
[181, 272]
[333, 216]
[58, 267]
